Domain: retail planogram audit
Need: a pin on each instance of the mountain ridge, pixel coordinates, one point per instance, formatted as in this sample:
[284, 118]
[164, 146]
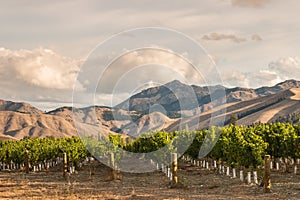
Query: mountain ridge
[21, 107]
[264, 104]
[167, 96]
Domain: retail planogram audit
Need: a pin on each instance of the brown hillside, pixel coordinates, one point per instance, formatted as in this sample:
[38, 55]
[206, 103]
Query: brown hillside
[262, 109]
[19, 125]
[18, 107]
[151, 122]
[266, 104]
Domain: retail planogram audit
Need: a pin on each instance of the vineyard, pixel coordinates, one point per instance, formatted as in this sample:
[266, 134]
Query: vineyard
[238, 152]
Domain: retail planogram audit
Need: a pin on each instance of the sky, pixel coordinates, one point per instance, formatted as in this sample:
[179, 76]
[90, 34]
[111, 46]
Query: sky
[45, 45]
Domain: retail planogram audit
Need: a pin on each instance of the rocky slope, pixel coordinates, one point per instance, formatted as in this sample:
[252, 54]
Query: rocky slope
[192, 97]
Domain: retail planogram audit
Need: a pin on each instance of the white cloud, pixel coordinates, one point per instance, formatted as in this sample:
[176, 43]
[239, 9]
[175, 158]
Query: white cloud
[250, 80]
[263, 78]
[235, 78]
[38, 75]
[43, 76]
[136, 68]
[39, 67]
[277, 71]
[286, 68]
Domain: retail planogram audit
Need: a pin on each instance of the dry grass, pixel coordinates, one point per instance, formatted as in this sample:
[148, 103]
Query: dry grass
[200, 184]
[296, 91]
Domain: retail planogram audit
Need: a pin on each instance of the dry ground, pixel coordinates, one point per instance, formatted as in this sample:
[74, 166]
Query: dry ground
[201, 184]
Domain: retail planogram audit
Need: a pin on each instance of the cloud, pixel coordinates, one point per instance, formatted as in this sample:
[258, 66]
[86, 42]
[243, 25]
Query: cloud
[222, 36]
[38, 75]
[249, 3]
[263, 78]
[228, 36]
[235, 78]
[277, 71]
[286, 68]
[46, 78]
[41, 76]
[39, 67]
[250, 80]
[256, 37]
[135, 68]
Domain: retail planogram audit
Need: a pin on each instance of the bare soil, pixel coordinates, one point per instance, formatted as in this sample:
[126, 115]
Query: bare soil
[197, 183]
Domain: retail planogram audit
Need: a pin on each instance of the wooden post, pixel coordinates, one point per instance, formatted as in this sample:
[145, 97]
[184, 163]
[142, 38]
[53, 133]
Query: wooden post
[174, 170]
[267, 181]
[112, 166]
[65, 166]
[26, 161]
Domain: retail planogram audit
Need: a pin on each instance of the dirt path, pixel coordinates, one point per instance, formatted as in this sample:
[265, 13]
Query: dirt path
[200, 184]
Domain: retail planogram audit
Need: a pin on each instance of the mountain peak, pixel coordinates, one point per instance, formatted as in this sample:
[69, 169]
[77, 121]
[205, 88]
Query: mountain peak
[175, 83]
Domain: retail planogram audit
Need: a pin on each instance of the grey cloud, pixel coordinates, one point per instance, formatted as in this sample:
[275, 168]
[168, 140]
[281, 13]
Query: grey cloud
[256, 37]
[249, 3]
[232, 37]
[222, 36]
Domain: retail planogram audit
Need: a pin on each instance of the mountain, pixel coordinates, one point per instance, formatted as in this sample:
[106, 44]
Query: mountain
[269, 108]
[19, 125]
[18, 107]
[109, 119]
[167, 96]
[288, 84]
[266, 104]
[153, 121]
[19, 120]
